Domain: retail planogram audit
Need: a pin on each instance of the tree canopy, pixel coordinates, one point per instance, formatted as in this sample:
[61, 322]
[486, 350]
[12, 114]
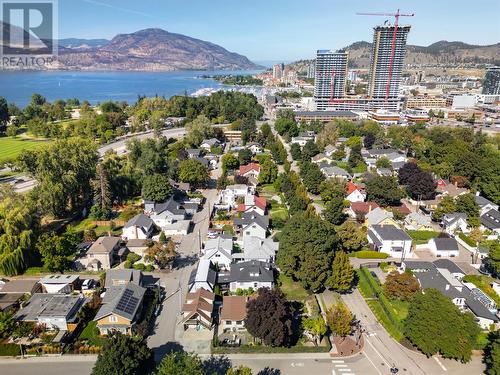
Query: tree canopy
[342, 273]
[339, 319]
[401, 286]
[384, 190]
[193, 172]
[180, 363]
[156, 188]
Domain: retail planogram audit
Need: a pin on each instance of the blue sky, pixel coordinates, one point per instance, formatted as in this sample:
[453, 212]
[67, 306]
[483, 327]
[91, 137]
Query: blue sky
[280, 29]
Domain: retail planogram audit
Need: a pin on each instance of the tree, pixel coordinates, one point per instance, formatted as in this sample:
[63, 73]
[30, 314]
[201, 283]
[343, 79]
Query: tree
[268, 172]
[162, 254]
[193, 172]
[492, 353]
[351, 237]
[312, 177]
[332, 188]
[369, 140]
[339, 319]
[269, 317]
[156, 188]
[12, 131]
[445, 206]
[102, 191]
[493, 255]
[18, 227]
[7, 324]
[342, 273]
[278, 151]
[244, 156]
[123, 355]
[466, 203]
[310, 149]
[316, 327]
[435, 325]
[240, 370]
[285, 126]
[407, 171]
[421, 186]
[180, 363]
[384, 190]
[295, 151]
[402, 286]
[334, 211]
[229, 162]
[306, 250]
[197, 130]
[4, 114]
[56, 251]
[383, 162]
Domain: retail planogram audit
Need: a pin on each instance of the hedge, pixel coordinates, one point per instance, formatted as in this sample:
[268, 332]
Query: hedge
[469, 241]
[368, 254]
[9, 350]
[270, 349]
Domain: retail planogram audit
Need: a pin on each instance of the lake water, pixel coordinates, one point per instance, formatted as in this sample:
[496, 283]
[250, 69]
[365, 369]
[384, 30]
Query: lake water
[95, 87]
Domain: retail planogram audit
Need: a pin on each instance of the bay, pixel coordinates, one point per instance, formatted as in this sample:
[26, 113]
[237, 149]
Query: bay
[97, 87]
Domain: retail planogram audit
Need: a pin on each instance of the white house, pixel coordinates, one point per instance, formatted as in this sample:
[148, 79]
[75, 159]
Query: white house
[251, 171]
[255, 248]
[218, 251]
[63, 284]
[140, 227]
[164, 214]
[417, 221]
[228, 196]
[254, 148]
[253, 203]
[207, 144]
[484, 204]
[204, 276]
[251, 274]
[332, 171]
[444, 247]
[354, 193]
[252, 224]
[391, 240]
[456, 221]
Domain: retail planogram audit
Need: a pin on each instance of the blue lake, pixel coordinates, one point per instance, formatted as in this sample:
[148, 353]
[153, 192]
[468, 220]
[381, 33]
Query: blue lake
[95, 87]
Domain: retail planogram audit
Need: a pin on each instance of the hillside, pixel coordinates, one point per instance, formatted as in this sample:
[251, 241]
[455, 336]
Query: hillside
[154, 50]
[442, 52]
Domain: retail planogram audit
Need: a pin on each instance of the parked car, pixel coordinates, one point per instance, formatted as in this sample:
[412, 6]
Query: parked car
[88, 284]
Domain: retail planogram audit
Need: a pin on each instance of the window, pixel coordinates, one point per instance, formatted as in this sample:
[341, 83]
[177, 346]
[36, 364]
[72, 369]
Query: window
[255, 285]
[113, 319]
[229, 322]
[239, 322]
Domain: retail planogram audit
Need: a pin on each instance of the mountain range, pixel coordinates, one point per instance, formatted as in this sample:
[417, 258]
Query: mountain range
[442, 52]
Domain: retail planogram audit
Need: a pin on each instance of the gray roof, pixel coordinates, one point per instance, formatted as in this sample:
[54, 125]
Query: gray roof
[104, 245]
[449, 265]
[446, 244]
[482, 201]
[252, 270]
[59, 279]
[382, 151]
[122, 276]
[20, 286]
[248, 218]
[140, 220]
[257, 248]
[123, 300]
[204, 272]
[491, 219]
[211, 142]
[390, 233]
[333, 170]
[377, 215]
[193, 151]
[451, 218]
[50, 305]
[171, 206]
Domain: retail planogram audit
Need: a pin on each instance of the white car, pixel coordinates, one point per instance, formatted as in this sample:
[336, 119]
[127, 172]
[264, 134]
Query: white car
[87, 284]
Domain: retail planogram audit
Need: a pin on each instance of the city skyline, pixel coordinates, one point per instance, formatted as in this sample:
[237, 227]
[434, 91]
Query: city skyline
[265, 31]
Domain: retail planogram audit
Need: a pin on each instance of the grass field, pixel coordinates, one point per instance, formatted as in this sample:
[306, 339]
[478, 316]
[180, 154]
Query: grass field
[292, 289]
[10, 148]
[91, 333]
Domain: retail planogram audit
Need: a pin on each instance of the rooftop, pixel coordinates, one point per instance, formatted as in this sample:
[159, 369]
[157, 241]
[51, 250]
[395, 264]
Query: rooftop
[390, 233]
[59, 279]
[123, 300]
[50, 305]
[104, 245]
[234, 308]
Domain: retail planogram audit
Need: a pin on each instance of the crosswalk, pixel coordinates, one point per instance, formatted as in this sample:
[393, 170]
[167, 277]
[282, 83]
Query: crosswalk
[340, 368]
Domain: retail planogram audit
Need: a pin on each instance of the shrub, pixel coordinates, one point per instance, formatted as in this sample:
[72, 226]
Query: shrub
[469, 241]
[9, 350]
[140, 266]
[369, 254]
[422, 235]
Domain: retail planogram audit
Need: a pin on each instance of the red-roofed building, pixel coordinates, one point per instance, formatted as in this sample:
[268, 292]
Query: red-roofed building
[361, 208]
[253, 203]
[354, 193]
[402, 209]
[250, 171]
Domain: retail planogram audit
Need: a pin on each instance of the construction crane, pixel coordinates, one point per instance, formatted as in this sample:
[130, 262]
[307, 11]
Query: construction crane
[396, 23]
[332, 86]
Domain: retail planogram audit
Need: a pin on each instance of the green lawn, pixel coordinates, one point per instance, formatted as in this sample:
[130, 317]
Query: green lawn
[99, 230]
[292, 289]
[91, 333]
[483, 283]
[10, 148]
[421, 237]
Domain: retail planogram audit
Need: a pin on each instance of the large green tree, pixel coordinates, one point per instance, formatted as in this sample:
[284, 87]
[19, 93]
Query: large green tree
[306, 250]
[384, 190]
[157, 188]
[198, 130]
[339, 319]
[316, 326]
[56, 251]
[180, 363]
[311, 176]
[342, 273]
[193, 172]
[123, 355]
[435, 325]
[229, 162]
[334, 211]
[492, 353]
[268, 172]
[269, 317]
[401, 286]
[351, 237]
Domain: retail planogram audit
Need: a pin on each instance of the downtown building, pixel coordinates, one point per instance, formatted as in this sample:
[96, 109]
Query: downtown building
[491, 85]
[386, 66]
[330, 78]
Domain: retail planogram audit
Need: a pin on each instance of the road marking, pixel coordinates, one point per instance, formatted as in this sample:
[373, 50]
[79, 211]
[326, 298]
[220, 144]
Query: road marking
[439, 363]
[298, 364]
[340, 365]
[373, 364]
[333, 372]
[345, 370]
[376, 351]
[337, 361]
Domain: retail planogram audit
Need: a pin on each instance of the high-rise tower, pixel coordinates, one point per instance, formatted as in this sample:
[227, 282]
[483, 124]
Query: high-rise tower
[491, 85]
[330, 77]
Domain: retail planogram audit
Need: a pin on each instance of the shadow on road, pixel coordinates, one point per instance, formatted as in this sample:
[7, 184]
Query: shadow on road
[269, 371]
[166, 349]
[218, 365]
[185, 261]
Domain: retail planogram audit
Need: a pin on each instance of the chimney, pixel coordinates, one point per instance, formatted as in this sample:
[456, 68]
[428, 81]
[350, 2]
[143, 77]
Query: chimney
[447, 287]
[369, 208]
[477, 193]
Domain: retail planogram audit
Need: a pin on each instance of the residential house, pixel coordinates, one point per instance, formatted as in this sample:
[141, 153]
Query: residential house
[218, 251]
[379, 216]
[198, 311]
[321, 159]
[251, 172]
[484, 204]
[417, 221]
[332, 171]
[207, 144]
[233, 313]
[391, 240]
[361, 208]
[444, 247]
[14, 291]
[204, 276]
[451, 190]
[121, 309]
[229, 196]
[256, 248]
[253, 203]
[102, 254]
[212, 159]
[193, 153]
[453, 222]
[446, 277]
[119, 277]
[302, 139]
[140, 227]
[354, 193]
[64, 284]
[377, 153]
[329, 150]
[251, 224]
[252, 274]
[55, 311]
[385, 172]
[138, 247]
[170, 216]
[490, 220]
[254, 147]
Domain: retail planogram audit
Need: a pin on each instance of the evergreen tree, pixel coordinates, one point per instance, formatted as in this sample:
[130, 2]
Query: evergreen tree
[492, 353]
[180, 363]
[157, 188]
[334, 211]
[342, 273]
[339, 319]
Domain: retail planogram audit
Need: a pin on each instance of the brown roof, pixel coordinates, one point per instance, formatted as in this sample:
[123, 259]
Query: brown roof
[198, 304]
[104, 245]
[363, 207]
[234, 308]
[20, 286]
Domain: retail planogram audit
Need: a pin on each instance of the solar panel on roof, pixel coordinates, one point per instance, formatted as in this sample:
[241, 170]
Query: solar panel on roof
[128, 302]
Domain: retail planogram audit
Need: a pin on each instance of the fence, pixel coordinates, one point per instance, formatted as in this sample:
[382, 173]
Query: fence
[106, 223]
